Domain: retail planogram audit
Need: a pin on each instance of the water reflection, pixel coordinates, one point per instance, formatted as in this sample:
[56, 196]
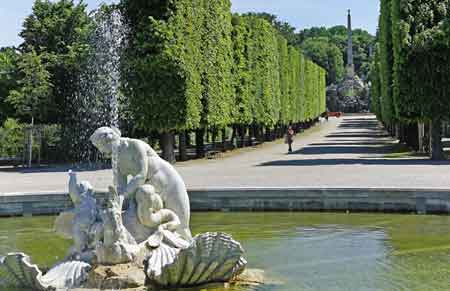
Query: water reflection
[327, 258]
[305, 251]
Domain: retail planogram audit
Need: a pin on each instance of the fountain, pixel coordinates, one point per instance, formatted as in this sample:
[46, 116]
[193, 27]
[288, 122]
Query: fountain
[146, 242]
[98, 96]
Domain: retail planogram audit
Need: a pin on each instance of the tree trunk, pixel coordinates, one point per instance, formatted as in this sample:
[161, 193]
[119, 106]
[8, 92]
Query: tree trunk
[402, 134]
[188, 139]
[182, 148]
[30, 143]
[252, 135]
[397, 131]
[200, 143]
[261, 133]
[214, 139]
[241, 136]
[412, 136]
[437, 151]
[233, 137]
[167, 146]
[421, 135]
[224, 139]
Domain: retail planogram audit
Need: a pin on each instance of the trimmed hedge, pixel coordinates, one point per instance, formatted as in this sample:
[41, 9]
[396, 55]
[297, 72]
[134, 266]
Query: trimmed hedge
[386, 63]
[414, 64]
[191, 64]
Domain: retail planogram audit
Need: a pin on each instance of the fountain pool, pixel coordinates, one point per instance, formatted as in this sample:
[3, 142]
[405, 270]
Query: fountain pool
[306, 251]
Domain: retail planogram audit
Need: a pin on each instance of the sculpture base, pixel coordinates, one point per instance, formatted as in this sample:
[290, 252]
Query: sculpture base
[117, 277]
[130, 278]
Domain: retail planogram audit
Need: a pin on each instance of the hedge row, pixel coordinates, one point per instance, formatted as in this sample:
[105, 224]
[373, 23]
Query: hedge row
[191, 64]
[411, 69]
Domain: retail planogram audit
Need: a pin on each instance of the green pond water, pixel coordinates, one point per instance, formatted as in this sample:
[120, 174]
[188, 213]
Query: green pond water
[305, 251]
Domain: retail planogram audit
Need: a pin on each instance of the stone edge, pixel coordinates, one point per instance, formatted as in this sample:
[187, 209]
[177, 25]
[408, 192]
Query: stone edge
[421, 201]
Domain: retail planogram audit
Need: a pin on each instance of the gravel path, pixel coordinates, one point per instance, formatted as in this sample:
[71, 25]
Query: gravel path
[346, 152]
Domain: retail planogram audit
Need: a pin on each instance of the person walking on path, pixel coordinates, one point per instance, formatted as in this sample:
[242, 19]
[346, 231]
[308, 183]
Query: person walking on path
[290, 138]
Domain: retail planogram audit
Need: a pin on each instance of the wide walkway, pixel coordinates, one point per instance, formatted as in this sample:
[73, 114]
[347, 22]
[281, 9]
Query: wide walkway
[346, 152]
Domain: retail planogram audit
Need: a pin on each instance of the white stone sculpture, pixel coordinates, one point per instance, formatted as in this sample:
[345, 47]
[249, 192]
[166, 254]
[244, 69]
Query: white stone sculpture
[210, 258]
[135, 158]
[17, 271]
[115, 245]
[86, 214]
[83, 223]
[152, 234]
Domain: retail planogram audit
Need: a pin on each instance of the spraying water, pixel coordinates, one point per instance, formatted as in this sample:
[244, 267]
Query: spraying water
[98, 95]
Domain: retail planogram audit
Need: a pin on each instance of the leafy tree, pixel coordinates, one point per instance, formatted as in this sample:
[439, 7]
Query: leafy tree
[375, 91]
[59, 32]
[242, 111]
[284, 28]
[11, 138]
[363, 43]
[297, 80]
[32, 98]
[386, 62]
[421, 61]
[163, 66]
[8, 80]
[263, 58]
[191, 65]
[283, 59]
[216, 48]
[327, 55]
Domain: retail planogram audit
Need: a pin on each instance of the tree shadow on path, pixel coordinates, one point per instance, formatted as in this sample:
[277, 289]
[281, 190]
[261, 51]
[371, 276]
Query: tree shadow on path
[362, 161]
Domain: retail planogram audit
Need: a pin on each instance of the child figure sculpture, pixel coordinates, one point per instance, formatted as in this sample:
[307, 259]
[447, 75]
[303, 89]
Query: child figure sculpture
[151, 213]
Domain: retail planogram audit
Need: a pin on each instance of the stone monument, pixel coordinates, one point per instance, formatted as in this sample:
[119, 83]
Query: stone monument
[146, 243]
[351, 95]
[350, 65]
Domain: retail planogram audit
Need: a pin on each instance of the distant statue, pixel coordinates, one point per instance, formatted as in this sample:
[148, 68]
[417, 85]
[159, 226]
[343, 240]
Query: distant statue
[136, 158]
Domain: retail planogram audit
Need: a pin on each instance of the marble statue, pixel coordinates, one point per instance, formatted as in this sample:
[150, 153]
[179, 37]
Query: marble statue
[135, 158]
[115, 245]
[151, 233]
[86, 214]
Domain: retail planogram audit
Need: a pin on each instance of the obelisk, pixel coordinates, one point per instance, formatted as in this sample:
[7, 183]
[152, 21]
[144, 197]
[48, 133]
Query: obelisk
[350, 64]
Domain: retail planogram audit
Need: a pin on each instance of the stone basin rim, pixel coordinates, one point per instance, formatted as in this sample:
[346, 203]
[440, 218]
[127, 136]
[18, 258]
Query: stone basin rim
[264, 189]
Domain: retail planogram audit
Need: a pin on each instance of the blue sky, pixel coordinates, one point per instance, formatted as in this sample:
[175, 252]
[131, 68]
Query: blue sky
[299, 13]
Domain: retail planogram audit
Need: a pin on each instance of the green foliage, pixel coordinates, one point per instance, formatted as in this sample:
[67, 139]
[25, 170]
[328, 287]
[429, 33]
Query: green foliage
[8, 80]
[191, 64]
[58, 32]
[386, 62]
[241, 71]
[283, 60]
[32, 98]
[297, 80]
[163, 63]
[216, 47]
[286, 30]
[421, 58]
[375, 91]
[363, 42]
[265, 74]
[278, 75]
[11, 138]
[327, 55]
